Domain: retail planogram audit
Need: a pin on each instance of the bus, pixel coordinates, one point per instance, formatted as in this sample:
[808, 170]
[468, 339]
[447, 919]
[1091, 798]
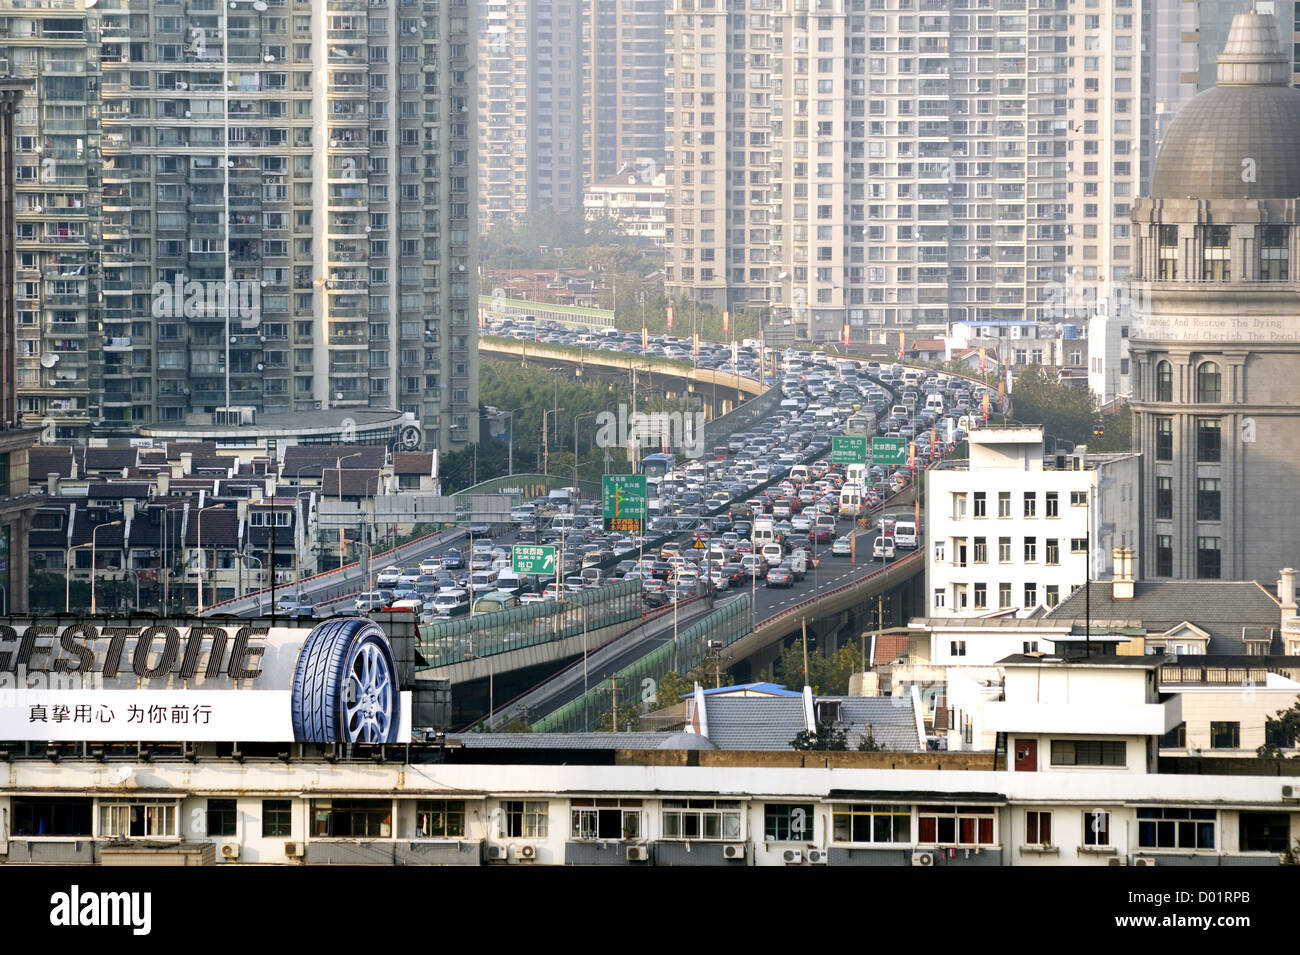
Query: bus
[862, 423]
[656, 465]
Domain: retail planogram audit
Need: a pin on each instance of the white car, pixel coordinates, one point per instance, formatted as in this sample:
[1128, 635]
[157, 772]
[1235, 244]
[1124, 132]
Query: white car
[719, 580]
[388, 577]
[431, 565]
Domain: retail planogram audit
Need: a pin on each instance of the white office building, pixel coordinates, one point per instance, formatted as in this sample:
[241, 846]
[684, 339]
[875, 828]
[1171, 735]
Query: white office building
[1012, 531]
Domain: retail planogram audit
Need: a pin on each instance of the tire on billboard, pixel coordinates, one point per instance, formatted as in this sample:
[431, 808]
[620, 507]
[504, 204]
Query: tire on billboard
[345, 687]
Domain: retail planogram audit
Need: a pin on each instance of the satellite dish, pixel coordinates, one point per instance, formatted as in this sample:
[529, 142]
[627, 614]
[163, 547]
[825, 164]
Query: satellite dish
[120, 775]
[49, 360]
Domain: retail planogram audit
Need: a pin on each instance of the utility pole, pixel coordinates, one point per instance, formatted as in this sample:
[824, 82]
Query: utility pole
[803, 626]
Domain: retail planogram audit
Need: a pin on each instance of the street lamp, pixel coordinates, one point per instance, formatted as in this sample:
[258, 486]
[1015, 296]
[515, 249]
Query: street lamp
[93, 535]
[576, 419]
[546, 444]
[67, 575]
[338, 466]
[511, 441]
[199, 537]
[261, 568]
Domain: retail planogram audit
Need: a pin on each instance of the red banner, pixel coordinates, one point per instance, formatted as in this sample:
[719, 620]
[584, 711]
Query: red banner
[670, 316]
[726, 322]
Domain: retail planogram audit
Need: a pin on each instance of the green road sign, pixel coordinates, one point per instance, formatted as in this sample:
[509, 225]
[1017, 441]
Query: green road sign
[849, 449]
[889, 451]
[532, 559]
[623, 502]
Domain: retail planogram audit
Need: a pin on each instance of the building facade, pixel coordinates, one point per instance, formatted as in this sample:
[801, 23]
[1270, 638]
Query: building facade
[623, 114]
[285, 211]
[1218, 345]
[1009, 535]
[893, 168]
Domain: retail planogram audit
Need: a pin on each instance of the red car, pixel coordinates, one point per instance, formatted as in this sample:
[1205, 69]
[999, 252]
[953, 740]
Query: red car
[822, 535]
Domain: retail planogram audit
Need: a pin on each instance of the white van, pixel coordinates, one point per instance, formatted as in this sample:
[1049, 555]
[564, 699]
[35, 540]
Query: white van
[905, 534]
[799, 473]
[851, 500]
[773, 554]
[762, 534]
[934, 402]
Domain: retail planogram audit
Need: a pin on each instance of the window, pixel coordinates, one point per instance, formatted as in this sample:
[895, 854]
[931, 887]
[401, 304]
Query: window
[1051, 504]
[136, 819]
[1207, 499]
[1004, 503]
[701, 819]
[786, 822]
[1038, 828]
[955, 825]
[981, 504]
[1004, 596]
[1169, 828]
[1273, 254]
[1053, 547]
[439, 819]
[1164, 498]
[1216, 257]
[221, 817]
[1031, 596]
[981, 551]
[1004, 550]
[1167, 239]
[1078, 498]
[1164, 439]
[524, 820]
[1096, 828]
[1263, 831]
[1164, 555]
[1088, 752]
[607, 818]
[352, 818]
[981, 596]
[940, 598]
[1275, 735]
[1207, 558]
[277, 817]
[1225, 735]
[1031, 550]
[1208, 435]
[867, 822]
[1176, 738]
[51, 817]
[957, 648]
[1031, 504]
[1209, 381]
[1164, 381]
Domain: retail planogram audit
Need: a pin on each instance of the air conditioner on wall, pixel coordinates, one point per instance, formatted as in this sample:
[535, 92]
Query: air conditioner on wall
[294, 850]
[923, 858]
[792, 856]
[638, 854]
[733, 851]
[230, 850]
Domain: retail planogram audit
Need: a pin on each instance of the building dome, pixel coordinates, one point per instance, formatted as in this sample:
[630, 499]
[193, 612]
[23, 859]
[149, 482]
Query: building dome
[1240, 140]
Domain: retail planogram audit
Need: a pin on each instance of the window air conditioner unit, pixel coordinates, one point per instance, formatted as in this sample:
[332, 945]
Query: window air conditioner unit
[1291, 792]
[923, 858]
[792, 856]
[733, 851]
[1118, 860]
[638, 854]
[230, 850]
[818, 856]
[1144, 861]
[294, 850]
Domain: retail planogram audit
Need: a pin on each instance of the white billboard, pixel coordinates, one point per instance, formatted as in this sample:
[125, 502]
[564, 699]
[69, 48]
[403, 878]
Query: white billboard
[105, 680]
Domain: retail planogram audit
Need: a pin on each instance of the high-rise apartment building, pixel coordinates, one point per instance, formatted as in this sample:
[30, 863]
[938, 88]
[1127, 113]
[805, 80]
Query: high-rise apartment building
[17, 505]
[285, 210]
[624, 125]
[896, 165]
[532, 65]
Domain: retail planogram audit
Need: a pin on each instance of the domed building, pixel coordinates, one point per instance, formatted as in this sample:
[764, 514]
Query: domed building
[1216, 340]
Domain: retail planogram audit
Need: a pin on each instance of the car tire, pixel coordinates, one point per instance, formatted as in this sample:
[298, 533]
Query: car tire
[345, 685]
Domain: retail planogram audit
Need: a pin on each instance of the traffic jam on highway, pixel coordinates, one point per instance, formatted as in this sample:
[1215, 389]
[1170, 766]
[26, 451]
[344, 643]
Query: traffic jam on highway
[767, 509]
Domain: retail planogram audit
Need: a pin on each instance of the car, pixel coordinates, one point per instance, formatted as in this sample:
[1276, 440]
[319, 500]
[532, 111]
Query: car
[781, 576]
[299, 612]
[822, 535]
[288, 599]
[883, 548]
[408, 575]
[389, 577]
[843, 546]
[453, 559]
[374, 600]
[430, 565]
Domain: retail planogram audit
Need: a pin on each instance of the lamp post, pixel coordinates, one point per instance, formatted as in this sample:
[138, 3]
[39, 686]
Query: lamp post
[546, 444]
[199, 540]
[338, 466]
[261, 568]
[511, 441]
[93, 536]
[300, 540]
[67, 575]
[576, 418]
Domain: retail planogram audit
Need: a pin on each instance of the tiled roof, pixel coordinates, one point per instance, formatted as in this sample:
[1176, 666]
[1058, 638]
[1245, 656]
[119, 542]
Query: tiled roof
[117, 490]
[413, 462]
[1219, 607]
[307, 460]
[890, 721]
[110, 459]
[756, 722]
[891, 646]
[356, 483]
[220, 527]
[42, 462]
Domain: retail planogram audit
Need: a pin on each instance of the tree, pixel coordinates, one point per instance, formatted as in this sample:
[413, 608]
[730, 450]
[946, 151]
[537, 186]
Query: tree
[1066, 412]
[868, 744]
[1285, 727]
[46, 593]
[828, 676]
[826, 738]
